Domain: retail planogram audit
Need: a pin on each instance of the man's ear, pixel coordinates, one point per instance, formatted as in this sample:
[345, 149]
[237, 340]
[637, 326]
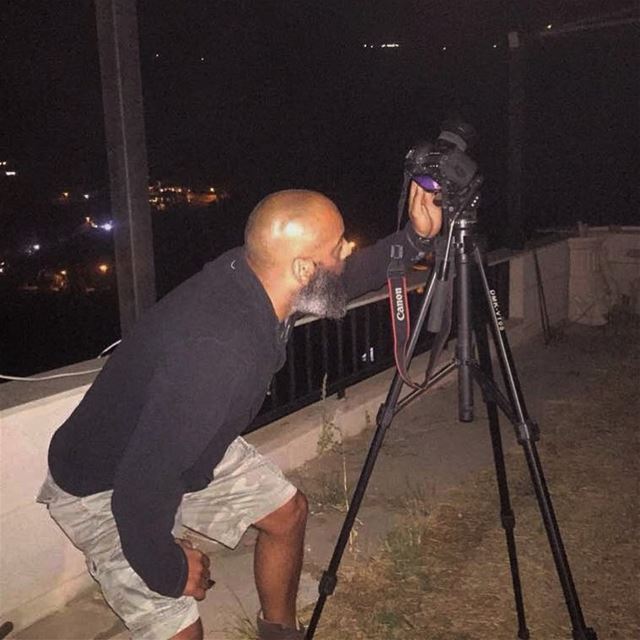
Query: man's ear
[303, 270]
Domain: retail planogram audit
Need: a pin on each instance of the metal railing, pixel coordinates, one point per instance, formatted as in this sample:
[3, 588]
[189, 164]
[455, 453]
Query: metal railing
[325, 357]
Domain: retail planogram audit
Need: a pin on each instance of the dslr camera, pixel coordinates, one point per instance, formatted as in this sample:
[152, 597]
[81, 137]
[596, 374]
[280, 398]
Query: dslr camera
[443, 167]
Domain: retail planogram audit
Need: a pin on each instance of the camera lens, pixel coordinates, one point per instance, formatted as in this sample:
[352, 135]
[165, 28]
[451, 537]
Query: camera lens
[427, 183]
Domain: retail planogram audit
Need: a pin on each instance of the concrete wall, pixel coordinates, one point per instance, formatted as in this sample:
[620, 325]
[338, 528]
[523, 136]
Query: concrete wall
[605, 270]
[40, 570]
[524, 294]
[621, 260]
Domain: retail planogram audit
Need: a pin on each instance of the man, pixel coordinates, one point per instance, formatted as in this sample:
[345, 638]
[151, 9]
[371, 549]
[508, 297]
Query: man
[154, 443]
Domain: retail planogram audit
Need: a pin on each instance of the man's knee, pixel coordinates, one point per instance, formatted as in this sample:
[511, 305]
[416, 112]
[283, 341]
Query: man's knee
[290, 518]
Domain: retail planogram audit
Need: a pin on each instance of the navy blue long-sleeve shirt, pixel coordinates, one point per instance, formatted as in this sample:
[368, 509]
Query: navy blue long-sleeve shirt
[188, 380]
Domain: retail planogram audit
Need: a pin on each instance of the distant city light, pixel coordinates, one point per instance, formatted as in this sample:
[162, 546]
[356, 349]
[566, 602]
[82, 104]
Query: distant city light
[103, 268]
[549, 26]
[201, 59]
[212, 189]
[157, 55]
[444, 48]
[1, 270]
[65, 194]
[3, 163]
[86, 196]
[107, 226]
[63, 272]
[495, 46]
[35, 247]
[9, 173]
[385, 45]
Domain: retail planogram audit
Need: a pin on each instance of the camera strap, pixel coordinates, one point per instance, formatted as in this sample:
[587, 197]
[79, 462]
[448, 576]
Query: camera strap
[398, 299]
[402, 201]
[440, 321]
[400, 316]
[399, 303]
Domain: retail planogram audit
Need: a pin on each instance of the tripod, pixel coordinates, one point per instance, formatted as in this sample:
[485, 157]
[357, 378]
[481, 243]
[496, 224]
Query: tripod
[462, 251]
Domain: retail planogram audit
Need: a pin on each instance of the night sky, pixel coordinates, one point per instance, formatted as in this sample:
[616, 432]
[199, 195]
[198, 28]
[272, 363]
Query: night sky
[261, 95]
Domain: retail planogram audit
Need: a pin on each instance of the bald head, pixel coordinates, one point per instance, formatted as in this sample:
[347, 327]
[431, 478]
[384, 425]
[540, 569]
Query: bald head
[289, 224]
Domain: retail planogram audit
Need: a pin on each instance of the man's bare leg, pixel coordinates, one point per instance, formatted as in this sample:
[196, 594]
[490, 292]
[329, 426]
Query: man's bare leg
[278, 560]
[192, 632]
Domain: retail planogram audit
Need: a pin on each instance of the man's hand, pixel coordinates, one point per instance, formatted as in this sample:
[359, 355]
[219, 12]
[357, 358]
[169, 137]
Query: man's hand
[199, 578]
[425, 216]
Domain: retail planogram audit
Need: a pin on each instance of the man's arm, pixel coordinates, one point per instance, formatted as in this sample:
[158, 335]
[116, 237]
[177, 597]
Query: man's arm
[186, 404]
[366, 269]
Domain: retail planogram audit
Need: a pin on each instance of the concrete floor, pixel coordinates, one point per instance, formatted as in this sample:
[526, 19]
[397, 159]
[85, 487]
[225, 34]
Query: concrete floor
[426, 451]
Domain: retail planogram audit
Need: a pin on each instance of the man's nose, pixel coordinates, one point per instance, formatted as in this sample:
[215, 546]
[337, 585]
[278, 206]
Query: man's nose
[347, 249]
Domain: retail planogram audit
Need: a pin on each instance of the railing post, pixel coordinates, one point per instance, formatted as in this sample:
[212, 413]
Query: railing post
[340, 346]
[291, 365]
[354, 340]
[308, 356]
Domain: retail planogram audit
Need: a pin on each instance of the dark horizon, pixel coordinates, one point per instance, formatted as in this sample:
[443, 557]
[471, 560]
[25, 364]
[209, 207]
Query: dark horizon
[294, 98]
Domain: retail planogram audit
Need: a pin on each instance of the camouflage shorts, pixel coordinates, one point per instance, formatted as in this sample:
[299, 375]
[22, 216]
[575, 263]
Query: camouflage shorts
[246, 488]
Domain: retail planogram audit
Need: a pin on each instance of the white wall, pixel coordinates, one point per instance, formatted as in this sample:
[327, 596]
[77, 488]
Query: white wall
[621, 260]
[605, 270]
[39, 568]
[524, 298]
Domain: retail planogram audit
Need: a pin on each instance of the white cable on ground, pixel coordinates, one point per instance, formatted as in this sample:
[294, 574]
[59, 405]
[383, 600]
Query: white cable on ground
[53, 377]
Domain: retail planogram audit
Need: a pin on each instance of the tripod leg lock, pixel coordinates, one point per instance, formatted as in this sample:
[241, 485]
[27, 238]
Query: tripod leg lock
[327, 584]
[527, 431]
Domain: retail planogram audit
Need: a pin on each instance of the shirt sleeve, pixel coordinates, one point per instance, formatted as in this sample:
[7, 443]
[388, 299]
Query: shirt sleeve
[366, 269]
[186, 404]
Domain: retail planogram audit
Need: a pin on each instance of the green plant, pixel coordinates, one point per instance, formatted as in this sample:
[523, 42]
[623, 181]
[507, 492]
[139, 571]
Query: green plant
[243, 629]
[335, 492]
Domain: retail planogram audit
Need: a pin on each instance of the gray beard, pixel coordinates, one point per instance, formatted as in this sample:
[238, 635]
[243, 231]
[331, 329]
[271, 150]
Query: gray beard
[324, 296]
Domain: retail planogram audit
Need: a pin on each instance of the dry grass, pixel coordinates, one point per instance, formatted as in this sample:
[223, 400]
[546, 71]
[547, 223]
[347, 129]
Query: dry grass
[444, 575]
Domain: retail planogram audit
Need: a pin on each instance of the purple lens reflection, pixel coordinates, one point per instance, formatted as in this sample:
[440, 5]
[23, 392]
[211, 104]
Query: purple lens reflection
[427, 182]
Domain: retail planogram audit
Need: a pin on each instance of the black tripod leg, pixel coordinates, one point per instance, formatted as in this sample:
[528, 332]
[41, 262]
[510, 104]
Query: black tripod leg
[527, 434]
[383, 420]
[464, 346]
[507, 516]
